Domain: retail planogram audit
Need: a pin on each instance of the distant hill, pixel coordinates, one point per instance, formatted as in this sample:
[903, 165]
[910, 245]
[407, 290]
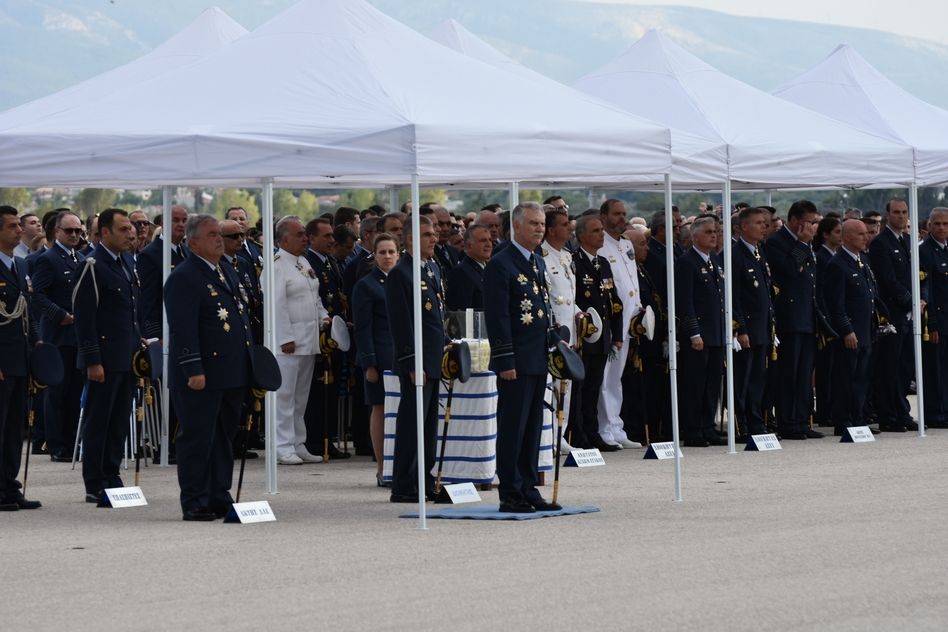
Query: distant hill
[47, 45]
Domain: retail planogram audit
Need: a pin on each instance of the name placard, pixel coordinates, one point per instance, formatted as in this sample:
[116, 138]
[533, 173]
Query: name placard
[661, 451]
[857, 434]
[117, 497]
[584, 458]
[762, 443]
[458, 494]
[245, 513]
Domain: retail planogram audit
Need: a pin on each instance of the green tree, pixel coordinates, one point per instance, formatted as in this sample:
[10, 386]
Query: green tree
[359, 198]
[284, 203]
[92, 201]
[235, 197]
[307, 206]
[14, 197]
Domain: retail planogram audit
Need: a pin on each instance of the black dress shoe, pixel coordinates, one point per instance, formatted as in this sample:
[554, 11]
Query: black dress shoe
[542, 505]
[61, 457]
[516, 505]
[93, 497]
[874, 431]
[813, 434]
[336, 453]
[39, 449]
[794, 435]
[23, 503]
[403, 498]
[695, 443]
[602, 446]
[9, 505]
[910, 425]
[938, 423]
[221, 511]
[256, 442]
[892, 427]
[742, 439]
[199, 514]
[717, 441]
[840, 432]
[248, 454]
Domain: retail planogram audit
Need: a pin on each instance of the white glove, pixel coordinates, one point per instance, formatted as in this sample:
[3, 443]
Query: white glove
[735, 344]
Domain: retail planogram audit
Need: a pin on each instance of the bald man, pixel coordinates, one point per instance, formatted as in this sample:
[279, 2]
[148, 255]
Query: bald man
[850, 293]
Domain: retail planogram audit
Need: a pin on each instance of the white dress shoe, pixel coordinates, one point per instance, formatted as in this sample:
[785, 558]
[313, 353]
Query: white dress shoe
[566, 448]
[626, 443]
[306, 457]
[615, 443]
[290, 459]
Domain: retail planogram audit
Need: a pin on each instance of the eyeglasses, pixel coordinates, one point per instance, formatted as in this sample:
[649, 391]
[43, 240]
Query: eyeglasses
[141, 223]
[565, 207]
[234, 236]
[72, 231]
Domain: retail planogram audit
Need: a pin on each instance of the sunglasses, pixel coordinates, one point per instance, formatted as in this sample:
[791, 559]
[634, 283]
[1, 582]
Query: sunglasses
[72, 231]
[234, 236]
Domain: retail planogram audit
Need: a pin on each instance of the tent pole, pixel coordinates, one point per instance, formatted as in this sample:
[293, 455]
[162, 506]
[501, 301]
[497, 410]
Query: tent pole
[514, 195]
[269, 332]
[165, 271]
[770, 197]
[916, 308]
[728, 315]
[591, 197]
[419, 346]
[392, 199]
[672, 353]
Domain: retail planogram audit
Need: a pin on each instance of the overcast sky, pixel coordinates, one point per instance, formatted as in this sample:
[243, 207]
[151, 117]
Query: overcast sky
[927, 19]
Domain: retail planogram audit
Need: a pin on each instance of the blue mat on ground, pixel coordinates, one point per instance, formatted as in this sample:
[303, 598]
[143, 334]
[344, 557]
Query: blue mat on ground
[492, 512]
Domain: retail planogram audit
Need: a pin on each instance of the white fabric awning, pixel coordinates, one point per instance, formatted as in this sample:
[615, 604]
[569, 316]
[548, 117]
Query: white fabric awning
[845, 87]
[771, 143]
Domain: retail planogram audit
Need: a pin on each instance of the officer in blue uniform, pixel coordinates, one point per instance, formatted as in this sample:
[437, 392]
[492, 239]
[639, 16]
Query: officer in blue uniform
[850, 293]
[18, 333]
[520, 326]
[209, 369]
[595, 290]
[754, 314]
[797, 316]
[105, 308]
[319, 233]
[251, 252]
[828, 238]
[466, 279]
[148, 266]
[399, 306]
[699, 297]
[54, 277]
[933, 261]
[890, 258]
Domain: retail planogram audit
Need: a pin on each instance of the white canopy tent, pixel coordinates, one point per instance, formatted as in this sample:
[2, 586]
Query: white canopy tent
[349, 92]
[771, 144]
[209, 32]
[845, 87]
[697, 160]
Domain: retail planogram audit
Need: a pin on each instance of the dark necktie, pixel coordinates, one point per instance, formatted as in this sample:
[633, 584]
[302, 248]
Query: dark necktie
[756, 253]
[180, 252]
[220, 274]
[16, 278]
[121, 262]
[902, 243]
[233, 262]
[75, 259]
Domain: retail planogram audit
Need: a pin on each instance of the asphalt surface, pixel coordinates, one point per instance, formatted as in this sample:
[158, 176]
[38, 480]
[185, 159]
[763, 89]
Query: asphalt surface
[817, 536]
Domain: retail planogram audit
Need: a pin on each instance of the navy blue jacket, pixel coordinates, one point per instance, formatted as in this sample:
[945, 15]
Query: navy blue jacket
[933, 261]
[654, 265]
[208, 328]
[518, 314]
[149, 272]
[373, 336]
[14, 343]
[893, 271]
[596, 289]
[793, 270]
[850, 292]
[331, 290]
[54, 277]
[399, 308]
[466, 286]
[350, 274]
[699, 299]
[252, 254]
[823, 256]
[751, 294]
[650, 298]
[107, 330]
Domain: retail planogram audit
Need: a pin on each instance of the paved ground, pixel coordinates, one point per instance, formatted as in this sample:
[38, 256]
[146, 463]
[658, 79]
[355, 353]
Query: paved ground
[818, 536]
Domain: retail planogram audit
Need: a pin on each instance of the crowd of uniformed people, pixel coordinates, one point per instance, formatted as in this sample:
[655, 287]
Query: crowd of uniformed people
[821, 333]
